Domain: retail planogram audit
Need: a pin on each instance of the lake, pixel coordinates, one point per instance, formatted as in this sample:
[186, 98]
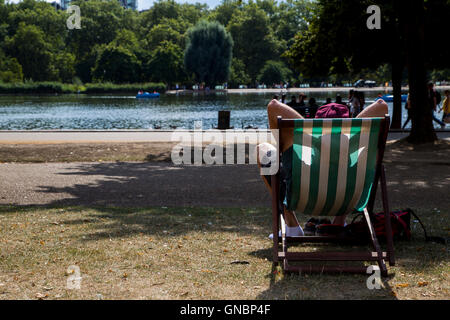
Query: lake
[109, 112]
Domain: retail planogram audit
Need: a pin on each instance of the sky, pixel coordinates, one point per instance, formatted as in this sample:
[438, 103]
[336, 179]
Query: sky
[145, 4]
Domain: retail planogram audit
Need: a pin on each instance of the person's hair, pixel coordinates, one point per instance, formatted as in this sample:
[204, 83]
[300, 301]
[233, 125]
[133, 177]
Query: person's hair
[275, 97]
[351, 91]
[446, 92]
[338, 98]
[328, 100]
[312, 101]
[293, 98]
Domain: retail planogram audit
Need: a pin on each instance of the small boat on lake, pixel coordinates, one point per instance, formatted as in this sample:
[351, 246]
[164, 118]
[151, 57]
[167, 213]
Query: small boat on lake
[390, 97]
[148, 95]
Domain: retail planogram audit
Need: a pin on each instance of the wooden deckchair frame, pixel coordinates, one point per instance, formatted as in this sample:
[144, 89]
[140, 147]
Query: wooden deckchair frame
[281, 244]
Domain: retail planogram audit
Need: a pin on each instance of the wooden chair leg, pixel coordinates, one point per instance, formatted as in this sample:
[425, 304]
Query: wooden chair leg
[388, 226]
[375, 244]
[275, 216]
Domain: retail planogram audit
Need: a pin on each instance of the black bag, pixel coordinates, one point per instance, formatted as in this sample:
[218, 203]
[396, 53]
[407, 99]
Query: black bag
[400, 223]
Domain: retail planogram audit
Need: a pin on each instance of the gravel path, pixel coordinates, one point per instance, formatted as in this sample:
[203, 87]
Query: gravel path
[131, 184]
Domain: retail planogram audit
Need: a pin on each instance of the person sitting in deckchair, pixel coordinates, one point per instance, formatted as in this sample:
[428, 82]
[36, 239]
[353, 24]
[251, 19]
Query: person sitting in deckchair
[275, 109]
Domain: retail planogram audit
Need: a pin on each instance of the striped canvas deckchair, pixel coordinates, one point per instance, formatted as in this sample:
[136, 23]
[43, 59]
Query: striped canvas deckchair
[336, 167]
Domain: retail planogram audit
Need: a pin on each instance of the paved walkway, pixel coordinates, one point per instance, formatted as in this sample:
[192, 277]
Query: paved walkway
[88, 136]
[411, 183]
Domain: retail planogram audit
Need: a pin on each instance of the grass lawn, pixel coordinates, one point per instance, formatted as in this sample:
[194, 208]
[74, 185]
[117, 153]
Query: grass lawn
[188, 253]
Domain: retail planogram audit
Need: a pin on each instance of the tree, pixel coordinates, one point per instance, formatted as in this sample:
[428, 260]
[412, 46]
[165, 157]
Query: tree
[338, 42]
[10, 69]
[238, 75]
[224, 12]
[164, 32]
[64, 66]
[254, 42]
[32, 52]
[208, 53]
[166, 64]
[274, 72]
[116, 64]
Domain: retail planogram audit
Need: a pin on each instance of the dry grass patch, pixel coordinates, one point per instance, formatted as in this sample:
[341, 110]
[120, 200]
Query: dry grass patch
[186, 253]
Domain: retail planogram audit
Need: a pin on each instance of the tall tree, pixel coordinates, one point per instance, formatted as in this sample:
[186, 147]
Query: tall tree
[166, 64]
[208, 53]
[254, 41]
[116, 64]
[338, 41]
[28, 45]
[421, 112]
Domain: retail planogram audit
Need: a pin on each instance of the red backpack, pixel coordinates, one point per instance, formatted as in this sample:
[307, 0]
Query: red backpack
[400, 222]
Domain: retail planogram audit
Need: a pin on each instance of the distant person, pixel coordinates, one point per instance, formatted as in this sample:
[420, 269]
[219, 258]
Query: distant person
[408, 109]
[300, 105]
[338, 99]
[311, 109]
[328, 101]
[362, 100]
[433, 102]
[301, 99]
[353, 104]
[293, 102]
[140, 92]
[283, 98]
[446, 107]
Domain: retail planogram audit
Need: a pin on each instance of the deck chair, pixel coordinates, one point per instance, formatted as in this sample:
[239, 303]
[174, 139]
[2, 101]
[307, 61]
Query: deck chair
[336, 169]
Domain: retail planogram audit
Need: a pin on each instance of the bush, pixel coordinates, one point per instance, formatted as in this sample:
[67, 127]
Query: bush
[57, 87]
[124, 88]
[31, 87]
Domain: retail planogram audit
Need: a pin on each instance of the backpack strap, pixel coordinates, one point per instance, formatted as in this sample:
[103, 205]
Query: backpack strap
[428, 238]
[403, 224]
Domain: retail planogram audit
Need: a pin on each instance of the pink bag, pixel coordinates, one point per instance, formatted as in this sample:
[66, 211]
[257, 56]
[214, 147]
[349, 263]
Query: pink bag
[333, 110]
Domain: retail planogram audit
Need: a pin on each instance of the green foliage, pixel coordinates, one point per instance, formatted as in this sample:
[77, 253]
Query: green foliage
[208, 53]
[165, 31]
[274, 72]
[124, 88]
[32, 51]
[77, 87]
[10, 69]
[31, 87]
[116, 64]
[254, 41]
[166, 56]
[238, 75]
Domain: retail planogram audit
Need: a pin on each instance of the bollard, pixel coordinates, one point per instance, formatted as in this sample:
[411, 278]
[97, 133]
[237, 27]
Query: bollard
[224, 120]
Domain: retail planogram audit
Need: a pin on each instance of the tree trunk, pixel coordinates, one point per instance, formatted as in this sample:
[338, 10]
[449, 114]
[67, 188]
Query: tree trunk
[422, 130]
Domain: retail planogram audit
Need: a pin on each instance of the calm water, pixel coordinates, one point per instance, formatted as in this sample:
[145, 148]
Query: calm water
[126, 112]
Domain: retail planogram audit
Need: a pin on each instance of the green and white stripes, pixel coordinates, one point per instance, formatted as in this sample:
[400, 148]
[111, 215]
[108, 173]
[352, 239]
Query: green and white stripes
[333, 165]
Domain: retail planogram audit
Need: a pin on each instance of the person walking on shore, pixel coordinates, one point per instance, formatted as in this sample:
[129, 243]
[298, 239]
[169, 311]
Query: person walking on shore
[432, 102]
[353, 103]
[408, 109]
[446, 107]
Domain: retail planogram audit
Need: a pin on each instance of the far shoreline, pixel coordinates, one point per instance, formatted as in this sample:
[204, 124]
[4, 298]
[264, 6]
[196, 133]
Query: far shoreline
[297, 90]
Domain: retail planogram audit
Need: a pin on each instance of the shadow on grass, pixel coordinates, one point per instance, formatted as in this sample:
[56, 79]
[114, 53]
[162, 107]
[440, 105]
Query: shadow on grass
[248, 225]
